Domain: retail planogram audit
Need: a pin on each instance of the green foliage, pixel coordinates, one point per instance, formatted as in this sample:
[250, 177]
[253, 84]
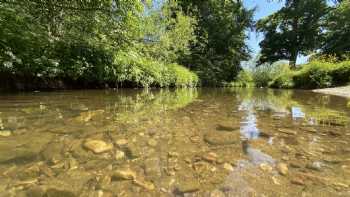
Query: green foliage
[320, 74]
[243, 79]
[130, 67]
[96, 42]
[263, 75]
[166, 32]
[220, 39]
[338, 30]
[293, 30]
[283, 77]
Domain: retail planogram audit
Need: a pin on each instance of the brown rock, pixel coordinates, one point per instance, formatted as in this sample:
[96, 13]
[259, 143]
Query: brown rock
[152, 142]
[188, 187]
[282, 168]
[222, 138]
[124, 174]
[297, 181]
[5, 133]
[98, 146]
[121, 142]
[144, 184]
[210, 157]
[287, 131]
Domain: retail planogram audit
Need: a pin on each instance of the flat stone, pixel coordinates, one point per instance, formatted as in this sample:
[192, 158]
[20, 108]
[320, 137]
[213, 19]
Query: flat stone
[275, 181]
[119, 155]
[187, 187]
[124, 174]
[144, 184]
[309, 129]
[88, 115]
[121, 142]
[152, 142]
[297, 181]
[221, 127]
[222, 138]
[295, 165]
[314, 166]
[228, 167]
[133, 151]
[5, 133]
[59, 193]
[98, 146]
[210, 157]
[288, 131]
[217, 193]
[282, 168]
[265, 167]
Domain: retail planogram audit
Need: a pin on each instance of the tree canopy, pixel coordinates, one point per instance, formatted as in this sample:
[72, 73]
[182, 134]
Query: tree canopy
[220, 34]
[159, 43]
[294, 30]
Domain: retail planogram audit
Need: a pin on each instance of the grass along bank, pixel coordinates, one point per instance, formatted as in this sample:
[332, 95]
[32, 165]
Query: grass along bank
[314, 75]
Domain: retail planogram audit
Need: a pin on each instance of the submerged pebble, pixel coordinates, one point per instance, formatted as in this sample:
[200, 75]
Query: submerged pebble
[5, 133]
[282, 168]
[152, 142]
[287, 131]
[265, 167]
[97, 146]
[119, 155]
[121, 142]
[144, 184]
[124, 174]
[222, 138]
[314, 166]
[228, 167]
[188, 187]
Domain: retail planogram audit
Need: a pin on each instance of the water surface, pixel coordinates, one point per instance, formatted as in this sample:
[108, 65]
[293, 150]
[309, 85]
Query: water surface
[185, 142]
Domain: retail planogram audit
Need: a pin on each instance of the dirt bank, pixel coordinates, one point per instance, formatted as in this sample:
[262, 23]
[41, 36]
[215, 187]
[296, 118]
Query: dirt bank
[338, 91]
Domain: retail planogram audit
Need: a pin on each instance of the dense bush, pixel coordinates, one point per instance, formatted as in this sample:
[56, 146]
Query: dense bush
[42, 46]
[319, 73]
[133, 68]
[282, 76]
[243, 79]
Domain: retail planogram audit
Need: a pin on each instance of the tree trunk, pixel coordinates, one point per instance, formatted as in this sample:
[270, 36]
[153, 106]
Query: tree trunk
[293, 59]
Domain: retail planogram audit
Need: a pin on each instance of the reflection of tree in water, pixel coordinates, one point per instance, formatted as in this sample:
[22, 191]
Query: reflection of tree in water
[313, 108]
[148, 102]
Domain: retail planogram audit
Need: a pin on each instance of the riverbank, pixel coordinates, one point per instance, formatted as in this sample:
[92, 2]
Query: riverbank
[338, 91]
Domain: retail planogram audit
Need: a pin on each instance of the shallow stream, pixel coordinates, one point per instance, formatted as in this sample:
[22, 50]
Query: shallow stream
[184, 142]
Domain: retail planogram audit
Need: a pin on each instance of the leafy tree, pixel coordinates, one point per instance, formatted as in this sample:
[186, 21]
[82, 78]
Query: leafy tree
[166, 32]
[294, 30]
[338, 30]
[220, 38]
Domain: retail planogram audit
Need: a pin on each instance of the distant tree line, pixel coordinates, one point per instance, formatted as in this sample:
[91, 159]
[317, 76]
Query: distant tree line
[306, 27]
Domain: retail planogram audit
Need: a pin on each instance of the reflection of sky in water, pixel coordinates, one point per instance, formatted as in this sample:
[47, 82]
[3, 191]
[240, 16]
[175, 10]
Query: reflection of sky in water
[297, 113]
[249, 128]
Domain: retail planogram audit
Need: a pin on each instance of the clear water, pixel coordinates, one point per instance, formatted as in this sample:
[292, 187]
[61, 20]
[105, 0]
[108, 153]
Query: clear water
[185, 142]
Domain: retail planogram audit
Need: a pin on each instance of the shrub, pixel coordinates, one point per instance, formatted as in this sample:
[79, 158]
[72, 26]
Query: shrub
[243, 79]
[321, 74]
[181, 76]
[144, 72]
[341, 74]
[283, 76]
[263, 75]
